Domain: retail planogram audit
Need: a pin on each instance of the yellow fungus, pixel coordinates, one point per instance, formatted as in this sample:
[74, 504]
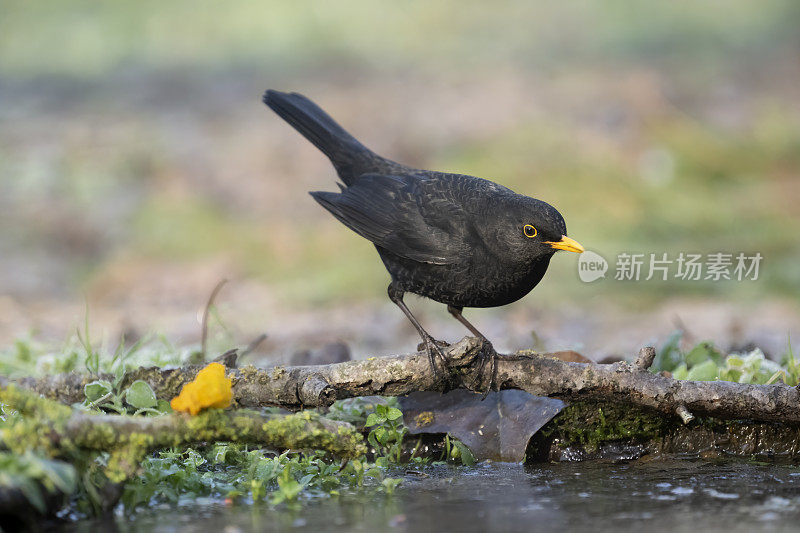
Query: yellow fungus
[425, 418]
[209, 389]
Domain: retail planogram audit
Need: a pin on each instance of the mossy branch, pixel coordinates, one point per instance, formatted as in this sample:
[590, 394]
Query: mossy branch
[59, 431]
[541, 374]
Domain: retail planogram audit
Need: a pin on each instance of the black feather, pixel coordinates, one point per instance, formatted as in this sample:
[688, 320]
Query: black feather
[453, 238]
[350, 158]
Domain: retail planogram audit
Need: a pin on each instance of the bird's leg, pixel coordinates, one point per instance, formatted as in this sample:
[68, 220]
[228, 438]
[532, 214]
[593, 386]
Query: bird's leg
[492, 355]
[456, 312]
[431, 344]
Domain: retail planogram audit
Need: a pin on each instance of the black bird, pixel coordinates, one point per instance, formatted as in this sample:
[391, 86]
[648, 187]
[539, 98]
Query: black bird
[459, 240]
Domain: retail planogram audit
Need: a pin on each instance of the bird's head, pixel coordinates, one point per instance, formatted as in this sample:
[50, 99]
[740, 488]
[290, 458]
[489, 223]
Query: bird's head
[535, 229]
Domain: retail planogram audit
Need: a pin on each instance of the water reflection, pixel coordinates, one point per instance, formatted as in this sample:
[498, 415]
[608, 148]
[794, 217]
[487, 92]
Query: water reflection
[674, 495]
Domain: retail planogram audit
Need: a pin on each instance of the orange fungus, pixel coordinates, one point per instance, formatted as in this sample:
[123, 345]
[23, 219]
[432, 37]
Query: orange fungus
[209, 389]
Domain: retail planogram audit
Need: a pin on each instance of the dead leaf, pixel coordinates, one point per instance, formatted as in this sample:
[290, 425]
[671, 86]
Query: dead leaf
[569, 356]
[497, 428]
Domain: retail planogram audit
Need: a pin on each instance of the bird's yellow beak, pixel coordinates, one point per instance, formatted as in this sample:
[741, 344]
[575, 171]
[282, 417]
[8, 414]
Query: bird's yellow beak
[570, 245]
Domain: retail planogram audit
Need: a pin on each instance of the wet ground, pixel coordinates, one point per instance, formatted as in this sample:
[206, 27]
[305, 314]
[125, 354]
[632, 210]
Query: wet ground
[672, 495]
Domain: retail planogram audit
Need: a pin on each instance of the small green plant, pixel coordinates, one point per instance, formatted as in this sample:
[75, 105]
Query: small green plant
[352, 410]
[791, 375]
[389, 484]
[230, 471]
[669, 356]
[387, 434]
[705, 362]
[457, 451]
[91, 359]
[28, 358]
[288, 487]
[136, 399]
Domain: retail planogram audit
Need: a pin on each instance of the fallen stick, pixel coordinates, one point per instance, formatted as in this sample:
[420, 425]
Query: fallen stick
[540, 374]
[59, 431]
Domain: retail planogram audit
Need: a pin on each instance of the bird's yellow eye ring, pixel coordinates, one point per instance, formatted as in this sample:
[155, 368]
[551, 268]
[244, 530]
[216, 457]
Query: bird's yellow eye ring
[529, 231]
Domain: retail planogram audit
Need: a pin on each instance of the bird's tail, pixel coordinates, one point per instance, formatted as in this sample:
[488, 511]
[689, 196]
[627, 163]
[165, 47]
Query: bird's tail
[319, 128]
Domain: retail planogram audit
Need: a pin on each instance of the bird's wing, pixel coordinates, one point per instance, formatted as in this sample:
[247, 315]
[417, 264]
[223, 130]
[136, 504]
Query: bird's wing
[417, 218]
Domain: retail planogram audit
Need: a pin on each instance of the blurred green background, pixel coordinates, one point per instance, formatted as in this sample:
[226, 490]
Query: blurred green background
[138, 165]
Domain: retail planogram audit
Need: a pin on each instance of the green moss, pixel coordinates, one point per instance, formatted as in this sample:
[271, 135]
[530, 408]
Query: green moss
[298, 431]
[302, 431]
[41, 425]
[251, 374]
[592, 423]
[124, 460]
[165, 384]
[38, 419]
[31, 404]
[99, 437]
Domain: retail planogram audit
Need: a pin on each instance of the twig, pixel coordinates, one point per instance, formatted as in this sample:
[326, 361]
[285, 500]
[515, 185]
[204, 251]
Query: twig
[229, 358]
[204, 323]
[684, 413]
[645, 358]
[253, 345]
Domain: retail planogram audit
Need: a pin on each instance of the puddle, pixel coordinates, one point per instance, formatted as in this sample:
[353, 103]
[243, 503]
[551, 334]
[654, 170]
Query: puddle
[674, 495]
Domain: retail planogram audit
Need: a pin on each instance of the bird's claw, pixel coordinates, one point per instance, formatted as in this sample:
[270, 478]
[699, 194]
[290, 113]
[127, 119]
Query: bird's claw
[424, 346]
[433, 348]
[488, 352]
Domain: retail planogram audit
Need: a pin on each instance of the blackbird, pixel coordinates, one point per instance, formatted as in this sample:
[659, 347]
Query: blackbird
[456, 239]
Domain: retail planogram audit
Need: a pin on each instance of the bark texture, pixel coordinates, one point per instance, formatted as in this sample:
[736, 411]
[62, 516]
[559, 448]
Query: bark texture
[299, 387]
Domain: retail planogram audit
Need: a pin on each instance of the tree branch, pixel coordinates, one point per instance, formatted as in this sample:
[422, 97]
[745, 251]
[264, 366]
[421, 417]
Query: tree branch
[58, 430]
[540, 374]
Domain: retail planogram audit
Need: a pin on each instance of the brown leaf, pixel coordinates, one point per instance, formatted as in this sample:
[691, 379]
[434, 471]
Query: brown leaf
[497, 428]
[569, 356]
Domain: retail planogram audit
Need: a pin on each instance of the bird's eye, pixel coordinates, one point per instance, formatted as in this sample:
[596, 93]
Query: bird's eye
[529, 231]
